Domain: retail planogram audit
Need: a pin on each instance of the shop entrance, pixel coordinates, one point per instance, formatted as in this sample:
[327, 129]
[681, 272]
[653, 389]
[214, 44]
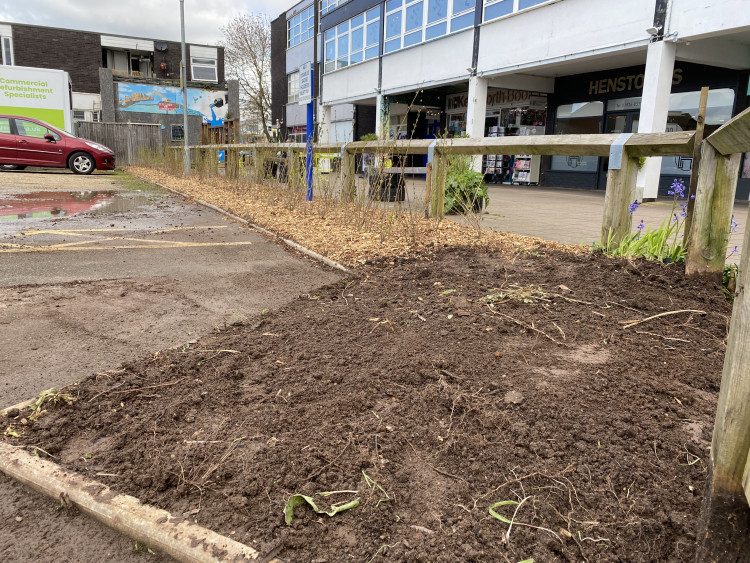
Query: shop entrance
[621, 122]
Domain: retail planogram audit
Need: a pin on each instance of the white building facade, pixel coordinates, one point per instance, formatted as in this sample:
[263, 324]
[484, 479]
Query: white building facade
[425, 68]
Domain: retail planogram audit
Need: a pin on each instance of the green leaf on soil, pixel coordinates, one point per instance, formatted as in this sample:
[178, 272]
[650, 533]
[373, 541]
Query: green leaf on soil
[527, 561]
[372, 483]
[9, 432]
[447, 292]
[298, 500]
[502, 503]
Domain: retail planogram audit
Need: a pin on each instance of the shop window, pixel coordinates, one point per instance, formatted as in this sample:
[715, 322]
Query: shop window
[577, 119]
[7, 51]
[683, 116]
[203, 69]
[292, 87]
[353, 41]
[411, 22]
[300, 27]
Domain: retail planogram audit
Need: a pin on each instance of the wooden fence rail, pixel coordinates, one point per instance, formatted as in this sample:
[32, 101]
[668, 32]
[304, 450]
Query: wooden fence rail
[128, 140]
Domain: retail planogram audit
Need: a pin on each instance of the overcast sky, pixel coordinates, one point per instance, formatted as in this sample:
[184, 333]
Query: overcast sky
[155, 19]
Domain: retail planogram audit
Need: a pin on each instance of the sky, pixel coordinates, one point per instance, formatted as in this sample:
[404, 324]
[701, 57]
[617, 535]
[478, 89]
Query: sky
[151, 19]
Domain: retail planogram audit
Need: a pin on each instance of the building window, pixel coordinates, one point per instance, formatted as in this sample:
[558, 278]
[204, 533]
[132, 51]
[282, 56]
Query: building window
[203, 69]
[353, 41]
[292, 87]
[300, 27]
[410, 22]
[582, 119]
[79, 115]
[7, 51]
[330, 5]
[498, 8]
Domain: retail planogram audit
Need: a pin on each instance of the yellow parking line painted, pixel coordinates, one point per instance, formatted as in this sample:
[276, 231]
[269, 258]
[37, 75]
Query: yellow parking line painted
[74, 232]
[68, 248]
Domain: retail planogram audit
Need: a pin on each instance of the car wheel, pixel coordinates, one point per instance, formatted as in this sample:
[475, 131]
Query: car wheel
[81, 163]
[11, 167]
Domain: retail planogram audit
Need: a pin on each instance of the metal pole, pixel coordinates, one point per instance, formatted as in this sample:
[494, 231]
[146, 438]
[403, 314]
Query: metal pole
[310, 138]
[183, 85]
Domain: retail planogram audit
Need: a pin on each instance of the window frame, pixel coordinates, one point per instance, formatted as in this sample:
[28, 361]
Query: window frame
[6, 39]
[448, 22]
[333, 36]
[306, 16]
[202, 64]
[515, 9]
[291, 79]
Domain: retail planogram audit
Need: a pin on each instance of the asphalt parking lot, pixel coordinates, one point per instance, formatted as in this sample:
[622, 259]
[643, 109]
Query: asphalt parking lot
[97, 270]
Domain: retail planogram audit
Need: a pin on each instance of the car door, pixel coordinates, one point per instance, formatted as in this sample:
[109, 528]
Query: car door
[36, 150]
[8, 152]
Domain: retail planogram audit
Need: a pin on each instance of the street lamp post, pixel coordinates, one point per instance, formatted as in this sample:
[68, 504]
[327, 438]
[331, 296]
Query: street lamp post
[183, 85]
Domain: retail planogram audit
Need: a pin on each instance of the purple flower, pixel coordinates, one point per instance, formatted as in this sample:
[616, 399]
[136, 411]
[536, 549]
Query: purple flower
[633, 206]
[674, 219]
[734, 251]
[677, 188]
[641, 225]
[683, 213]
[733, 225]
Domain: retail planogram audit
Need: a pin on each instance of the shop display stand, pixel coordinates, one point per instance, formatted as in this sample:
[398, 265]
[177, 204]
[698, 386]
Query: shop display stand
[526, 170]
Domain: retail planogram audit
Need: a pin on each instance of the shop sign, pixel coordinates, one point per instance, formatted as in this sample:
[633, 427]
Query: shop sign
[537, 102]
[299, 129]
[626, 83]
[497, 98]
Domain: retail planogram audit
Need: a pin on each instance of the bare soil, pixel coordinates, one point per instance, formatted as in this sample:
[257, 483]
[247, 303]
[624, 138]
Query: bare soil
[433, 388]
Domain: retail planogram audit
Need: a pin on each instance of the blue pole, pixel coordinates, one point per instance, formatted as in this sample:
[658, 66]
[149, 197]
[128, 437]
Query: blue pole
[309, 147]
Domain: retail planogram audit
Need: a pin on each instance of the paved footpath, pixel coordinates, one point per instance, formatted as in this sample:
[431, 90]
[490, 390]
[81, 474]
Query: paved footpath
[567, 215]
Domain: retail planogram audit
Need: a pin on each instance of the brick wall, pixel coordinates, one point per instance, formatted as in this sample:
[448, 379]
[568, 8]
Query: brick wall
[80, 54]
[77, 52]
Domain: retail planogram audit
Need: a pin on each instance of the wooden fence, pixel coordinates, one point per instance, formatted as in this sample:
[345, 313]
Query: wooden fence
[128, 140]
[726, 517]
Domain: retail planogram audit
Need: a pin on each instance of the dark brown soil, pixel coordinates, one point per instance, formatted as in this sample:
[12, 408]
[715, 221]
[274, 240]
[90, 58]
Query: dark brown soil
[405, 377]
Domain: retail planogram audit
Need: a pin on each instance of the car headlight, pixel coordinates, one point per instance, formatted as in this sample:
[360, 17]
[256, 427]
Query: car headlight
[98, 147]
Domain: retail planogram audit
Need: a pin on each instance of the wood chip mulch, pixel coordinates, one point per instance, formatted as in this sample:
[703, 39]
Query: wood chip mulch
[349, 233]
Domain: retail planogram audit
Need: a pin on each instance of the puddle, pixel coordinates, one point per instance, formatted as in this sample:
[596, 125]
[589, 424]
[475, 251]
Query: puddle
[56, 204]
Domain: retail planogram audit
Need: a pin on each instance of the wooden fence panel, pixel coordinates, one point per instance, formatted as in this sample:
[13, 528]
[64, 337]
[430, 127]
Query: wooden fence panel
[128, 140]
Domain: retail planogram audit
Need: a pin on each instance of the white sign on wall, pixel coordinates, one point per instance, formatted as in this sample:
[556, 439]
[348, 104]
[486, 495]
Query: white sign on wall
[305, 84]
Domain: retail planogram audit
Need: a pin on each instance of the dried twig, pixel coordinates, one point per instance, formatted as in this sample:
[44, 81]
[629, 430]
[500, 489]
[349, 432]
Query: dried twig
[526, 326]
[662, 336]
[692, 311]
[107, 390]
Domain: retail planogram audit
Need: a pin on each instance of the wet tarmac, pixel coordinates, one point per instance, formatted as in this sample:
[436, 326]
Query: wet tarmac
[56, 204]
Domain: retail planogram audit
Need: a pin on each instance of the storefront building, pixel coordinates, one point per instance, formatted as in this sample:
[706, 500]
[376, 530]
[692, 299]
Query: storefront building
[610, 102]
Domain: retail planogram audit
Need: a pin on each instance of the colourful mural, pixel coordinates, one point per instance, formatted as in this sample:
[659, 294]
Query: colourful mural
[148, 98]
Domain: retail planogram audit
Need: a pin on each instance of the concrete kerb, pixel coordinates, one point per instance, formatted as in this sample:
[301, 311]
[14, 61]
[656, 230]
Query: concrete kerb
[312, 254]
[177, 537]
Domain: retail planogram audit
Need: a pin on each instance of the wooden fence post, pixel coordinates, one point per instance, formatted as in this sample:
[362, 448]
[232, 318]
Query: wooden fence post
[258, 164]
[348, 175]
[726, 514]
[438, 183]
[714, 201]
[692, 190]
[428, 191]
[620, 194]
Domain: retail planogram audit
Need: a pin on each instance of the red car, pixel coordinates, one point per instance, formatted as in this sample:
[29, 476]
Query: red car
[30, 142]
